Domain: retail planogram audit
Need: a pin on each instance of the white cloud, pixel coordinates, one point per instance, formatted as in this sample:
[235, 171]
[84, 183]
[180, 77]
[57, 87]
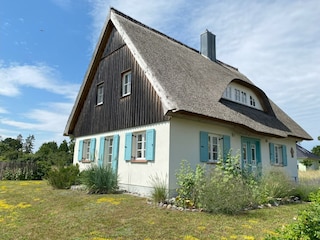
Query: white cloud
[3, 110]
[51, 119]
[15, 76]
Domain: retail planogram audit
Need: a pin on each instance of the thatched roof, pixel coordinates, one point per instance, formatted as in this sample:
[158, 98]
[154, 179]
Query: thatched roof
[188, 82]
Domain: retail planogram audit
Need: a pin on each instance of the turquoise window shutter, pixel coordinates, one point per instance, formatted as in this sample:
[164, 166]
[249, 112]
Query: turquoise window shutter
[150, 144]
[258, 152]
[271, 149]
[284, 155]
[92, 148]
[226, 147]
[128, 147]
[101, 151]
[115, 153]
[259, 164]
[204, 147]
[80, 150]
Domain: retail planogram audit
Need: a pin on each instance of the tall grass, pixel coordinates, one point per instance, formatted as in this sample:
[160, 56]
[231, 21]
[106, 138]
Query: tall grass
[100, 179]
[309, 181]
[159, 192]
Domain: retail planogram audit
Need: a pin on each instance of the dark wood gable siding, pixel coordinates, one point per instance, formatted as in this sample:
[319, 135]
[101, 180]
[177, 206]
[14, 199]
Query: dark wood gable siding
[141, 107]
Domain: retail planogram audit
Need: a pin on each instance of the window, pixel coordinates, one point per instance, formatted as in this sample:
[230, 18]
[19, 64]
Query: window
[213, 147]
[227, 92]
[237, 95]
[251, 155]
[140, 146]
[252, 101]
[244, 154]
[126, 84]
[86, 151]
[278, 154]
[100, 94]
[244, 97]
[109, 151]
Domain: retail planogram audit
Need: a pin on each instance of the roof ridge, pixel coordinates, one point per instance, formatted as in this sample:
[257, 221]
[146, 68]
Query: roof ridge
[151, 29]
[166, 36]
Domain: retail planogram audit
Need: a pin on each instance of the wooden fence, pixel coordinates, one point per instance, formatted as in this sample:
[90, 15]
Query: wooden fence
[17, 168]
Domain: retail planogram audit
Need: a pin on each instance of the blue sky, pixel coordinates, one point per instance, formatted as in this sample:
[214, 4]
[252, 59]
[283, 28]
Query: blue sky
[46, 47]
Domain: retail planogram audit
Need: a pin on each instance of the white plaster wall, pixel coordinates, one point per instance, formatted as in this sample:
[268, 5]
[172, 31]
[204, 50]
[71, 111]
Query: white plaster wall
[136, 177]
[177, 140]
[185, 145]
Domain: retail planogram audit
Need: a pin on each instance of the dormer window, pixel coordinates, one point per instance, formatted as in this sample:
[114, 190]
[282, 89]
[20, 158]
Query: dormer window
[252, 101]
[237, 95]
[243, 97]
[242, 94]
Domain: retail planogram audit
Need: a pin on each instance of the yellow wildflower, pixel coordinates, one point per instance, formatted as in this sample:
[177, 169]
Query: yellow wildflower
[189, 237]
[248, 237]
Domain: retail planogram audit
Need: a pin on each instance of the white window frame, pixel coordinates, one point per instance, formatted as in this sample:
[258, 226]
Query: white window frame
[213, 147]
[86, 149]
[139, 143]
[126, 83]
[252, 101]
[237, 95]
[228, 92]
[100, 91]
[108, 146]
[244, 97]
[245, 154]
[278, 154]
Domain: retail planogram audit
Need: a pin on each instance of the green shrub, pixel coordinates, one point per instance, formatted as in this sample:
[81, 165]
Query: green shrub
[228, 189]
[159, 191]
[190, 185]
[100, 179]
[63, 177]
[307, 225]
[275, 184]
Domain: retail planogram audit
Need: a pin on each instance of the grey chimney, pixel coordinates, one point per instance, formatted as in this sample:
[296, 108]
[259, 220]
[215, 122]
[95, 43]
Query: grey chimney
[208, 45]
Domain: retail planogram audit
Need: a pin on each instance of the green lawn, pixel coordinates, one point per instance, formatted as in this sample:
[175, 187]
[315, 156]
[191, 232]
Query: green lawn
[33, 210]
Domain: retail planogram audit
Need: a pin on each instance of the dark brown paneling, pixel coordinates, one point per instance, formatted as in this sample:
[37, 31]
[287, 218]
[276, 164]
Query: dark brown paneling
[141, 107]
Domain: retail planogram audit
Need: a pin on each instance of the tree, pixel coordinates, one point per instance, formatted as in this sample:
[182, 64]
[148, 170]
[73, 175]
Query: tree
[316, 150]
[64, 146]
[10, 149]
[29, 144]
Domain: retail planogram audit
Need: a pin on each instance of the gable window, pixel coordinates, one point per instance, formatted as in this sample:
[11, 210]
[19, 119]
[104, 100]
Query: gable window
[86, 151]
[100, 94]
[140, 146]
[278, 154]
[213, 147]
[126, 83]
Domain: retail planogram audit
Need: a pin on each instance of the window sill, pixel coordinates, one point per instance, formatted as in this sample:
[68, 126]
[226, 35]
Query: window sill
[86, 161]
[99, 104]
[139, 161]
[212, 162]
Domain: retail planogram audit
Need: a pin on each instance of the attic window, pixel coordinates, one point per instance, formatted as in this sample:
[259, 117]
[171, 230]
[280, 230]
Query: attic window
[243, 95]
[100, 94]
[126, 84]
